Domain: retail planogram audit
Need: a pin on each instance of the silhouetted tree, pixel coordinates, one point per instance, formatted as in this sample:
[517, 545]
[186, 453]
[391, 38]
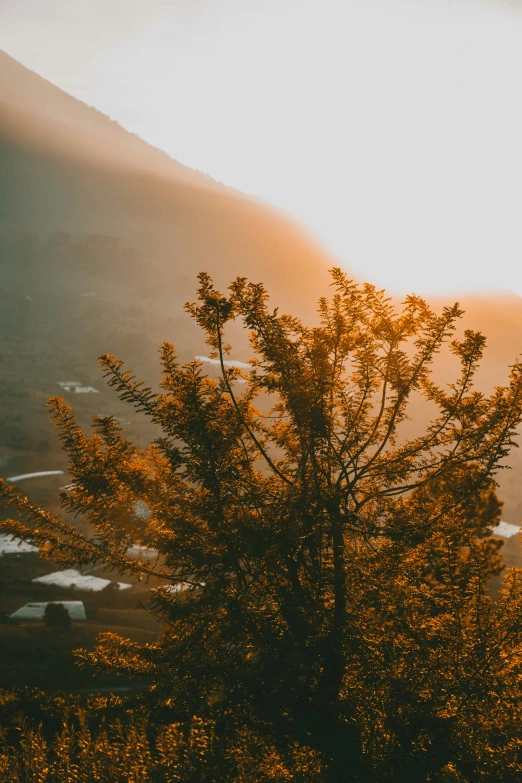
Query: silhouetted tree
[57, 616]
[337, 624]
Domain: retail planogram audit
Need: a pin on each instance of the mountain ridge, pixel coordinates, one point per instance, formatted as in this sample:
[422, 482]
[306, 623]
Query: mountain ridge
[24, 93]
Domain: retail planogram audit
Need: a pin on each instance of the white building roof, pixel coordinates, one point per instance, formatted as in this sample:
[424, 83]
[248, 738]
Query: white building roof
[505, 530]
[35, 475]
[76, 387]
[36, 610]
[177, 588]
[11, 545]
[71, 578]
[84, 390]
[142, 552]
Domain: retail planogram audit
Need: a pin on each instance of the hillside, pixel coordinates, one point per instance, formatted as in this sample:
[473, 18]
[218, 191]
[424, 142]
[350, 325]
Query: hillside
[65, 166]
[101, 238]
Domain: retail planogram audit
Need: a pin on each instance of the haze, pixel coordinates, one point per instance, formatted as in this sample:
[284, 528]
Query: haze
[391, 129]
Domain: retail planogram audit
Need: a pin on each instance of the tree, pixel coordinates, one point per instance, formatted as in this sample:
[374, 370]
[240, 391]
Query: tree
[337, 624]
[57, 616]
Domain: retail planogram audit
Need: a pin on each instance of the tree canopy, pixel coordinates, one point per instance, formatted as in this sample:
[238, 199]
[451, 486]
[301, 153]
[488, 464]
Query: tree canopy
[335, 621]
[57, 616]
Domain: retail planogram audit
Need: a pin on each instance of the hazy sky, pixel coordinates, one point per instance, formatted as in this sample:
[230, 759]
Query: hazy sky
[391, 128]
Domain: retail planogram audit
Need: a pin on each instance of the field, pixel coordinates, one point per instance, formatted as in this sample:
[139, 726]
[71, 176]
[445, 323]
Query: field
[33, 654]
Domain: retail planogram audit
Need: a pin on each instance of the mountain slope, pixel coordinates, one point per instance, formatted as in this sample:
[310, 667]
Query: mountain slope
[101, 238]
[65, 166]
[68, 123]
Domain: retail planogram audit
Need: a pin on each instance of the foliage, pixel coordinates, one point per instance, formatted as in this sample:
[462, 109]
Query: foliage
[337, 608]
[57, 616]
[120, 745]
[53, 739]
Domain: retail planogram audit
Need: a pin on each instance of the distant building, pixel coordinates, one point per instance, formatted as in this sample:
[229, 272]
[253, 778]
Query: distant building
[505, 530]
[142, 552]
[73, 579]
[36, 610]
[76, 387]
[11, 546]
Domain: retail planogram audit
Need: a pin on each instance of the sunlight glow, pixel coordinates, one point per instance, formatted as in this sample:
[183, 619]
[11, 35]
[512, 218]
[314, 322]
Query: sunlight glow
[391, 128]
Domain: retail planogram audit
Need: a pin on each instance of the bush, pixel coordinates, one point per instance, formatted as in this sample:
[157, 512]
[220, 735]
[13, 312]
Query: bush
[57, 616]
